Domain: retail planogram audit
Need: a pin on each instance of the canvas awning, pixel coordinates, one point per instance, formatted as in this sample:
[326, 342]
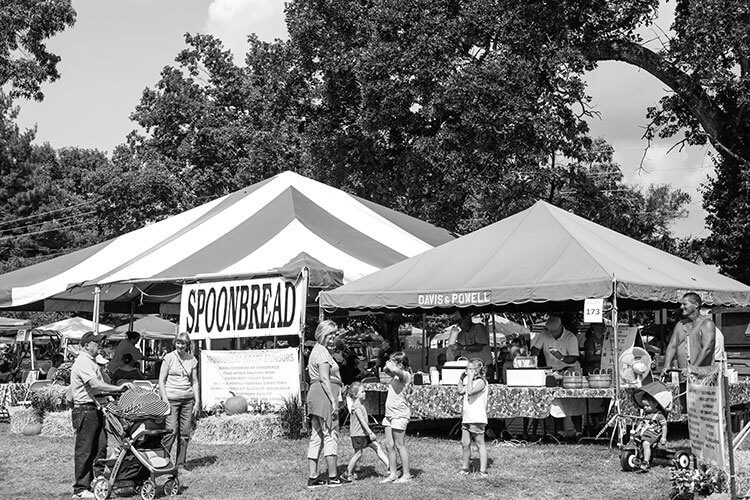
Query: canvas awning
[150, 327]
[252, 231]
[74, 328]
[540, 255]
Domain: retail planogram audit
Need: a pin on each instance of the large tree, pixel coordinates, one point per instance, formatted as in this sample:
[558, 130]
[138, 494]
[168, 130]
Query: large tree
[25, 26]
[394, 102]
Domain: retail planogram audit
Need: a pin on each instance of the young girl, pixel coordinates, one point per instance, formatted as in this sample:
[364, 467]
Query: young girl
[359, 430]
[474, 387]
[397, 415]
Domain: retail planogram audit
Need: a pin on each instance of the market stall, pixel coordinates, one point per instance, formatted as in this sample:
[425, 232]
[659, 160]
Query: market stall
[541, 259]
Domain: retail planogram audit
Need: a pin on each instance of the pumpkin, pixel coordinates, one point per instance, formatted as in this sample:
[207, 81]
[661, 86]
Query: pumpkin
[235, 405]
[32, 429]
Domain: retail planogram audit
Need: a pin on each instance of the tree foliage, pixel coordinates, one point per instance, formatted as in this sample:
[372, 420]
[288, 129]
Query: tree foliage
[25, 25]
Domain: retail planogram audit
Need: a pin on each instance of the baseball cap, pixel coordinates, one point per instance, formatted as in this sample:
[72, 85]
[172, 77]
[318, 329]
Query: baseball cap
[91, 337]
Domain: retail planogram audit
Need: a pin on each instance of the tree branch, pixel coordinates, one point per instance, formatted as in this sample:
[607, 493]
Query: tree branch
[690, 91]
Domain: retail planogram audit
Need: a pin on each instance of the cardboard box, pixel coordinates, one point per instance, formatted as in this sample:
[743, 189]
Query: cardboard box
[526, 378]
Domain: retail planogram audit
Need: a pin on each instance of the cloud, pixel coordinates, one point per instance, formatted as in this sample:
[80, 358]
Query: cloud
[233, 20]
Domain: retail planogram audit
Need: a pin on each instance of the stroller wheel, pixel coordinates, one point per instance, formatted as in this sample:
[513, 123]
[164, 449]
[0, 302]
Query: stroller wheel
[148, 490]
[682, 460]
[101, 488]
[172, 487]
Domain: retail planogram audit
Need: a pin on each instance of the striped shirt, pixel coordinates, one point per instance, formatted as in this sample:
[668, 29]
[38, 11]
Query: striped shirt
[320, 356]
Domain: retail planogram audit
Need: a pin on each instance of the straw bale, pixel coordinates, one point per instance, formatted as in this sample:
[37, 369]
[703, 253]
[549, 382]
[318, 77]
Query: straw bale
[19, 417]
[237, 429]
[57, 424]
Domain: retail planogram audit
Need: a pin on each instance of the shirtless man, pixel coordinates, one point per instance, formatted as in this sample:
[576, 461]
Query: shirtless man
[701, 332]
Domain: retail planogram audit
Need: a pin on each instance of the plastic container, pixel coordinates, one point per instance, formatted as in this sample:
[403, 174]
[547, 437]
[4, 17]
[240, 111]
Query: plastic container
[434, 376]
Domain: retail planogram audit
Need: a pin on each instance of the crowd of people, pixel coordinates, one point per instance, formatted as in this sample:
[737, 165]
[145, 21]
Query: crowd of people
[333, 375]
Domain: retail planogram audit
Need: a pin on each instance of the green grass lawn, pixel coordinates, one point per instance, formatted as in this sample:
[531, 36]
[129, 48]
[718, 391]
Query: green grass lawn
[39, 467]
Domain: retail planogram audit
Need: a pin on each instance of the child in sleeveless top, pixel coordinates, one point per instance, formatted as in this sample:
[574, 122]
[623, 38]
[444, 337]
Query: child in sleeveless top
[397, 415]
[474, 388]
[359, 430]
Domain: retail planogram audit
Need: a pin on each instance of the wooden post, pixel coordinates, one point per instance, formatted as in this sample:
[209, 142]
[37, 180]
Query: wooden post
[730, 440]
[616, 358]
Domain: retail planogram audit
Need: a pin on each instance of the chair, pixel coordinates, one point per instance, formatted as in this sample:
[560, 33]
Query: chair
[34, 386]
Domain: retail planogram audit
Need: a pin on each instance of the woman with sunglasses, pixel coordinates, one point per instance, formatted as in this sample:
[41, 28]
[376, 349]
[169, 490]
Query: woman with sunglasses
[178, 384]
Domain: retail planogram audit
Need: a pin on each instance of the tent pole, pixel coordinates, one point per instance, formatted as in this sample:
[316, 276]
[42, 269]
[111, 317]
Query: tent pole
[132, 310]
[97, 298]
[301, 349]
[616, 358]
[425, 345]
[494, 343]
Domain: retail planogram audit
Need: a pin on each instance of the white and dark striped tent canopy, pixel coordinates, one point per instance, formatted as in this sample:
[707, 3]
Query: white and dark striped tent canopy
[262, 229]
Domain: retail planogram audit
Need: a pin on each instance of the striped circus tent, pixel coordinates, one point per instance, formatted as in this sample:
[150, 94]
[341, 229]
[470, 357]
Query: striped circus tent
[252, 231]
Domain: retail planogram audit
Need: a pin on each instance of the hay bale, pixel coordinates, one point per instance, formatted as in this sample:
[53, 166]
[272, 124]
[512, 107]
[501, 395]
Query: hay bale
[237, 429]
[57, 424]
[20, 416]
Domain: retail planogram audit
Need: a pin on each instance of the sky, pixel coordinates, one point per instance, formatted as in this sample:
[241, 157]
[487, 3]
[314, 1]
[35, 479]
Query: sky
[117, 49]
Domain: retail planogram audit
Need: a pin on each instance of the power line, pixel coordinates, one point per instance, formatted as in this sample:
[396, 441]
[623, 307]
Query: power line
[3, 238]
[10, 229]
[46, 213]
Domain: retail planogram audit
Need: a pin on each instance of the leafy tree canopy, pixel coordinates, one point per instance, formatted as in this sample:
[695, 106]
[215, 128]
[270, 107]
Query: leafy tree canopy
[25, 25]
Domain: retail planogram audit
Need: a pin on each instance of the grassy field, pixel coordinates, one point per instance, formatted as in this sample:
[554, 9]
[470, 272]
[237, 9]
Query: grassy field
[39, 467]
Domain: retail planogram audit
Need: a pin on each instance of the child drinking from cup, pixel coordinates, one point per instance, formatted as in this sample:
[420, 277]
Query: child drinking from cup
[474, 388]
[359, 430]
[397, 415]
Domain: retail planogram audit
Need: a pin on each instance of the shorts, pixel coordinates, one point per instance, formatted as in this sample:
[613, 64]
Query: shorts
[396, 423]
[474, 428]
[361, 442]
[650, 436]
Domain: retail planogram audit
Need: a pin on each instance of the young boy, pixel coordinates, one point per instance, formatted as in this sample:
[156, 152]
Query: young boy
[652, 428]
[360, 432]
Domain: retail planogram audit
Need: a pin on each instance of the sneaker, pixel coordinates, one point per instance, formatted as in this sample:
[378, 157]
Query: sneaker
[349, 477]
[334, 482]
[464, 472]
[644, 468]
[316, 482]
[83, 494]
[388, 479]
[404, 479]
[484, 474]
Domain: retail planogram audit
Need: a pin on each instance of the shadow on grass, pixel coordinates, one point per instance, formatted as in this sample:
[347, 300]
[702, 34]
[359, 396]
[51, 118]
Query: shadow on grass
[200, 462]
[367, 471]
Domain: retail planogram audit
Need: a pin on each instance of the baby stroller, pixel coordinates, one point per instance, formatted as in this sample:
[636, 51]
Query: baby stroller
[136, 423]
[631, 454]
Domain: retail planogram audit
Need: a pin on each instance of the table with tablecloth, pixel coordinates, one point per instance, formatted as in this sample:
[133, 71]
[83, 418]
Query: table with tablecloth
[433, 402]
[11, 394]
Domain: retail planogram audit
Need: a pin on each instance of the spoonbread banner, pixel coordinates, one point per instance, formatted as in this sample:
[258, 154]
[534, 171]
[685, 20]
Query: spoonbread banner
[244, 308]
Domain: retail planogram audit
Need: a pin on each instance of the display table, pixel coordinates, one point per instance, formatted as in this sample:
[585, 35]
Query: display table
[11, 394]
[432, 402]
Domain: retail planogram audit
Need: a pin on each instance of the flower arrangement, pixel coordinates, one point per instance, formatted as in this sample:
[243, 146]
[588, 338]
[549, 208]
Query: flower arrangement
[47, 400]
[702, 480]
[254, 407]
[291, 416]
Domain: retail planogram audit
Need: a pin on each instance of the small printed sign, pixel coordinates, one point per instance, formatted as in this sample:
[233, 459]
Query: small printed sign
[593, 311]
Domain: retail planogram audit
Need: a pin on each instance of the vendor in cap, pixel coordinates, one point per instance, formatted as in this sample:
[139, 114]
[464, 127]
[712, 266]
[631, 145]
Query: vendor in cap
[86, 385]
[469, 340]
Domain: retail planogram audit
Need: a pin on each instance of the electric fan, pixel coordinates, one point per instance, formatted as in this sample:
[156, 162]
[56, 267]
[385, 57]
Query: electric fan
[634, 366]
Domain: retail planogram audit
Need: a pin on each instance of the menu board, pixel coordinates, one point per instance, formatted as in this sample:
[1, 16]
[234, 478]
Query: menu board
[706, 417]
[270, 375]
